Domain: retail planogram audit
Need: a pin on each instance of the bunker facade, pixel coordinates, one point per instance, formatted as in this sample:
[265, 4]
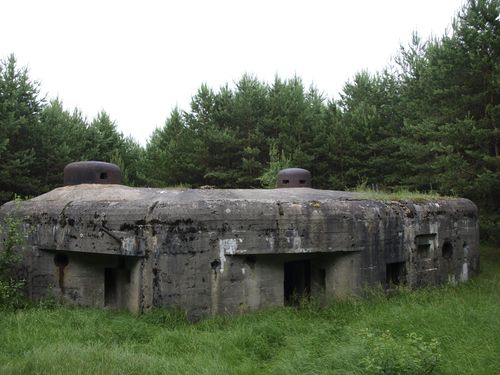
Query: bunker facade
[217, 251]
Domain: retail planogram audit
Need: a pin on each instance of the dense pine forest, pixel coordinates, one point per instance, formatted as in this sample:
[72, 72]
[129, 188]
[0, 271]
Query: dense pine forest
[430, 121]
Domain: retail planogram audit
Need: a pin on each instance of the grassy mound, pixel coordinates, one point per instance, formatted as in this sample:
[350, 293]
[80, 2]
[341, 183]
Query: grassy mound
[453, 329]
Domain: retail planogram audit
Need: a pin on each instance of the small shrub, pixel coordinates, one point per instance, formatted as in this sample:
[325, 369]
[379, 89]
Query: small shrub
[277, 162]
[387, 354]
[490, 227]
[10, 287]
[10, 294]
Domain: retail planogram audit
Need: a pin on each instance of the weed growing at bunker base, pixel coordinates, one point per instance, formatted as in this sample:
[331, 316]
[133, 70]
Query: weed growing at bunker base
[11, 286]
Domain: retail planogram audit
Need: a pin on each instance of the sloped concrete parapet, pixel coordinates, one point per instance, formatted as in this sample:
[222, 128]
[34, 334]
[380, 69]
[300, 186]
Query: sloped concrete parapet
[217, 251]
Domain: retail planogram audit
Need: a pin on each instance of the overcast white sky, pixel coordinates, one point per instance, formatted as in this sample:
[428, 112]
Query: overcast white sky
[137, 60]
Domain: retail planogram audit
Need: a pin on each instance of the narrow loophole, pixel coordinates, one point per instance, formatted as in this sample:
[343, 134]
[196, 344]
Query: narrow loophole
[61, 260]
[215, 264]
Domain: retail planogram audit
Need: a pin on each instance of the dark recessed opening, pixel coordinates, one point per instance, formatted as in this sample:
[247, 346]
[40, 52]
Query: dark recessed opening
[215, 264]
[395, 273]
[297, 281]
[424, 249]
[61, 260]
[302, 182]
[447, 250]
[322, 279]
[251, 260]
[103, 176]
[110, 287]
[121, 263]
[286, 181]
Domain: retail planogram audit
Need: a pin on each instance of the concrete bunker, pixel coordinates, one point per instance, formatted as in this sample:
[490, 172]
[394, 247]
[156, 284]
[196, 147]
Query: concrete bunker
[224, 251]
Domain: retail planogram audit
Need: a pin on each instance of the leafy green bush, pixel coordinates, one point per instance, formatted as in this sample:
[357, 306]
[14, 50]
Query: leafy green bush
[10, 294]
[10, 287]
[387, 354]
[277, 162]
[490, 227]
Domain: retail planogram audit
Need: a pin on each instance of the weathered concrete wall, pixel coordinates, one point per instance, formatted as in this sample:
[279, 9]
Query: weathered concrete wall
[217, 251]
[82, 280]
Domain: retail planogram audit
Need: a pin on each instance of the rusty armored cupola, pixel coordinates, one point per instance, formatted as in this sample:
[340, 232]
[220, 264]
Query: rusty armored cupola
[92, 172]
[294, 178]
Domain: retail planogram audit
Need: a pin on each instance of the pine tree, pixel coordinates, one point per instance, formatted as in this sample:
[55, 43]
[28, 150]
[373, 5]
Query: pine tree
[20, 106]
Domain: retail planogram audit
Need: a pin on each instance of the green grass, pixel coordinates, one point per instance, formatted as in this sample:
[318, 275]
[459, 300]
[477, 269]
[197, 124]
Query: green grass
[399, 195]
[453, 329]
